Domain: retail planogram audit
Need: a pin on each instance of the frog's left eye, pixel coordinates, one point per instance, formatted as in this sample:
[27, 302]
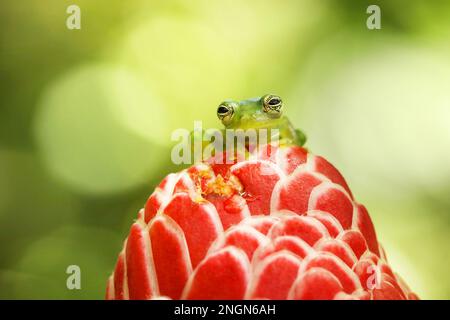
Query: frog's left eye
[272, 105]
[225, 112]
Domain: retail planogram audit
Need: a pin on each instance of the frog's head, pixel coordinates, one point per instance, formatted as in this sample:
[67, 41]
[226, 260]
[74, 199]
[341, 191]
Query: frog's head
[252, 113]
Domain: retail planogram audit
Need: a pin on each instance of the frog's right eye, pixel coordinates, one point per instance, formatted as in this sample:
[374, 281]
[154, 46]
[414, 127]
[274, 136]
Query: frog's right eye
[272, 105]
[225, 112]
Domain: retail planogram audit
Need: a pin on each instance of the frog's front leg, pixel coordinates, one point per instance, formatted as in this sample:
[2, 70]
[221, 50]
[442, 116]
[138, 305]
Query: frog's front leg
[300, 137]
[288, 135]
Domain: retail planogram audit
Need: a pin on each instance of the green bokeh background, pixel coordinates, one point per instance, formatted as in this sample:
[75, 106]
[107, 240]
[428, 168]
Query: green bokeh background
[86, 117]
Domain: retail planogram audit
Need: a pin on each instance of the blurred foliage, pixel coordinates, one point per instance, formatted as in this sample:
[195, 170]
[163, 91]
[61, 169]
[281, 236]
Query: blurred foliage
[86, 117]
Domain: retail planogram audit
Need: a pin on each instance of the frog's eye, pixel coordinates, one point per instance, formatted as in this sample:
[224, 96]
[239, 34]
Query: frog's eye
[225, 112]
[272, 105]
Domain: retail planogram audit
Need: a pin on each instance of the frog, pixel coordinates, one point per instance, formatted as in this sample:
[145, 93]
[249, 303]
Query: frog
[261, 113]
[265, 112]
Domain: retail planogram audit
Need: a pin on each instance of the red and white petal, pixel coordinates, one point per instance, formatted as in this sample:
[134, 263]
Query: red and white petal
[387, 278]
[161, 195]
[269, 152]
[370, 256]
[336, 266]
[141, 215]
[331, 198]
[327, 169]
[200, 223]
[223, 275]
[186, 184]
[291, 244]
[152, 205]
[258, 179]
[170, 256]
[120, 282]
[339, 248]
[306, 228]
[328, 220]
[243, 237]
[231, 210]
[274, 276]
[221, 162]
[355, 240]
[364, 224]
[387, 291]
[139, 267]
[384, 268]
[110, 288]
[292, 158]
[315, 284]
[287, 158]
[168, 183]
[293, 193]
[261, 223]
[368, 273]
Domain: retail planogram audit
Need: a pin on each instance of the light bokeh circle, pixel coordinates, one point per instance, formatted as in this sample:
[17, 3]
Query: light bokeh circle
[383, 118]
[83, 135]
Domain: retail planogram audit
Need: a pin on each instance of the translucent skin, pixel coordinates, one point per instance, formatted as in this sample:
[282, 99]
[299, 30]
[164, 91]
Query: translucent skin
[250, 114]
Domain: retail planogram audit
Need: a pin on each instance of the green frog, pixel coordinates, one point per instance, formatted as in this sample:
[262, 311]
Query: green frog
[244, 119]
[265, 112]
